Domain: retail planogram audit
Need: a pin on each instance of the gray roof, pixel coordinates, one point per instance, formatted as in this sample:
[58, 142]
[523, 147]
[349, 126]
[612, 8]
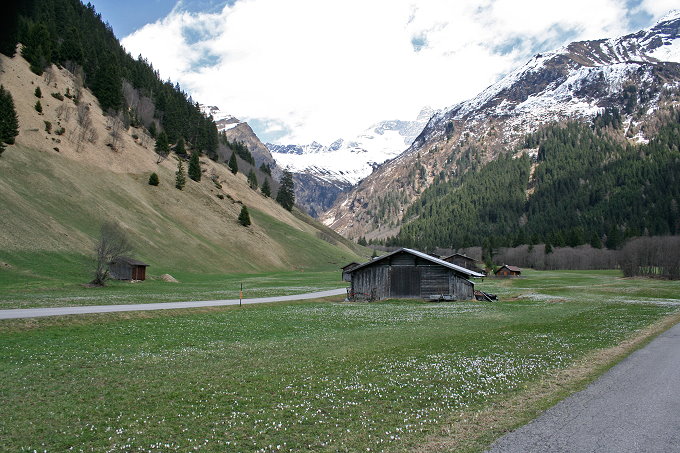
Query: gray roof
[128, 260]
[424, 256]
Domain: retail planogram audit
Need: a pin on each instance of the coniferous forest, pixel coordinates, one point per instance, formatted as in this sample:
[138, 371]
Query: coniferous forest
[73, 35]
[587, 186]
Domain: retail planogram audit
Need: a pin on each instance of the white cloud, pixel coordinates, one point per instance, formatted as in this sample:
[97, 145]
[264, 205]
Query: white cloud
[320, 70]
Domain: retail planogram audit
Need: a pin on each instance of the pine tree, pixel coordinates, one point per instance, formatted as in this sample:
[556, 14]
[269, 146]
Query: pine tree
[37, 92]
[153, 179]
[9, 124]
[264, 168]
[108, 84]
[194, 167]
[286, 195]
[233, 165]
[162, 147]
[252, 179]
[38, 107]
[180, 149]
[180, 178]
[244, 217]
[266, 189]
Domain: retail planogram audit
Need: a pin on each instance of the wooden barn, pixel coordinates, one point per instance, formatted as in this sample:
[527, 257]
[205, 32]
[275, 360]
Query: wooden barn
[409, 274]
[125, 268]
[464, 261]
[508, 271]
[346, 276]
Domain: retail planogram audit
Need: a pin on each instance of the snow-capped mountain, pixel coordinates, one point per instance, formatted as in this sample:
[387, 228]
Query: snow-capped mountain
[348, 161]
[637, 74]
[223, 121]
[239, 131]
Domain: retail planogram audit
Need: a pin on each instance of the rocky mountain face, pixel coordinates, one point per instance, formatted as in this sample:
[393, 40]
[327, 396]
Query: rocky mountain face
[240, 131]
[637, 75]
[322, 173]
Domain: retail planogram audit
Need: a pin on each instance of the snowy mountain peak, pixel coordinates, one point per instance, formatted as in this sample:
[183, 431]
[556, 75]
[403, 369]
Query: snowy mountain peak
[350, 160]
[223, 120]
[673, 14]
[637, 76]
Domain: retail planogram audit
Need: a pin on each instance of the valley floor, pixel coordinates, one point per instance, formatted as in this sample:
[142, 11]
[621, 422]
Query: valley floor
[321, 375]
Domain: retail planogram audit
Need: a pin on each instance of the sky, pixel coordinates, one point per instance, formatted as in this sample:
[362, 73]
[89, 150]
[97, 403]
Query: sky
[317, 70]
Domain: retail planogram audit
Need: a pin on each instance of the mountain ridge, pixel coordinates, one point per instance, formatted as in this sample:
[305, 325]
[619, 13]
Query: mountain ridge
[573, 82]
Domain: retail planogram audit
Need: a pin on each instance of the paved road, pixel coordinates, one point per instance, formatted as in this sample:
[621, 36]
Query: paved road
[59, 311]
[634, 407]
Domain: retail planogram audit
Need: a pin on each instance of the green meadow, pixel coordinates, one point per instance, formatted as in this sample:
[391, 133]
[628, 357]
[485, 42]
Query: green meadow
[322, 375]
[52, 279]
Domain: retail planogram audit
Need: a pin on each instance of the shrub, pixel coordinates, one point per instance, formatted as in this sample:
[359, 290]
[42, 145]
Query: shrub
[58, 96]
[60, 131]
[37, 92]
[38, 107]
[48, 127]
[153, 179]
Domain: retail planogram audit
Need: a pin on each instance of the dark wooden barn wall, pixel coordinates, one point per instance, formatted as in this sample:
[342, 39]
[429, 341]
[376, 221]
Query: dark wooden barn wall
[121, 271]
[403, 281]
[371, 280]
[461, 288]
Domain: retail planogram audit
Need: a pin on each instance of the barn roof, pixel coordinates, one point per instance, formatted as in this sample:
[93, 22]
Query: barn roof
[424, 256]
[128, 260]
[459, 255]
[510, 268]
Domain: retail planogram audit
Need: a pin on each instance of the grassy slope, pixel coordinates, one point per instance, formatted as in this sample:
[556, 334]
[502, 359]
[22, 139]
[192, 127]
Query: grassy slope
[53, 203]
[307, 376]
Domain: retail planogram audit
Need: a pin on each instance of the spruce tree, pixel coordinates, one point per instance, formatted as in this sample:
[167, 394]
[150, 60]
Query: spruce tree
[244, 216]
[252, 179]
[266, 189]
[286, 195]
[180, 149]
[233, 165]
[38, 107]
[180, 178]
[37, 92]
[9, 124]
[162, 147]
[194, 170]
[153, 179]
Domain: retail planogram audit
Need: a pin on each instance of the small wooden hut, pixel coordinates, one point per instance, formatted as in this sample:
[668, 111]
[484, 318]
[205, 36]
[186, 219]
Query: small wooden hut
[410, 274]
[508, 271]
[126, 268]
[464, 261]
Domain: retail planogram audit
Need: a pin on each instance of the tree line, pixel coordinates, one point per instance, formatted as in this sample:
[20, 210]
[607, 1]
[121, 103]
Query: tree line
[588, 187]
[73, 35]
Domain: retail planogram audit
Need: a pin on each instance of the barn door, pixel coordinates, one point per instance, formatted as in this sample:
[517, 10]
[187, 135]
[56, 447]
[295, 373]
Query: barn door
[404, 281]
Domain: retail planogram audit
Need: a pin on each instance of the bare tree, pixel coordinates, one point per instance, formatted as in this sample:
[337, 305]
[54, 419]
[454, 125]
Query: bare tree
[86, 130]
[112, 244]
[64, 112]
[115, 126]
[48, 75]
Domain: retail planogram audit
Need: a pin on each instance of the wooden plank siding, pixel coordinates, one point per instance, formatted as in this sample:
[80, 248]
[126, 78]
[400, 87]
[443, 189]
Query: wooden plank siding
[404, 275]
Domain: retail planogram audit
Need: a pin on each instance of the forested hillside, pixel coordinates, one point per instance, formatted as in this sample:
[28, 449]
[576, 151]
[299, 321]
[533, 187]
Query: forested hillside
[587, 186]
[72, 35]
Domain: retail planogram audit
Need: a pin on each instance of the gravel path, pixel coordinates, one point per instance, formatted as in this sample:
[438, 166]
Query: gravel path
[60, 311]
[634, 407]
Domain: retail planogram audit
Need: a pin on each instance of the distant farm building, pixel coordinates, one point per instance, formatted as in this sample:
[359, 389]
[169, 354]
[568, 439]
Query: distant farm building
[125, 268]
[409, 274]
[346, 271]
[508, 271]
[464, 261]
